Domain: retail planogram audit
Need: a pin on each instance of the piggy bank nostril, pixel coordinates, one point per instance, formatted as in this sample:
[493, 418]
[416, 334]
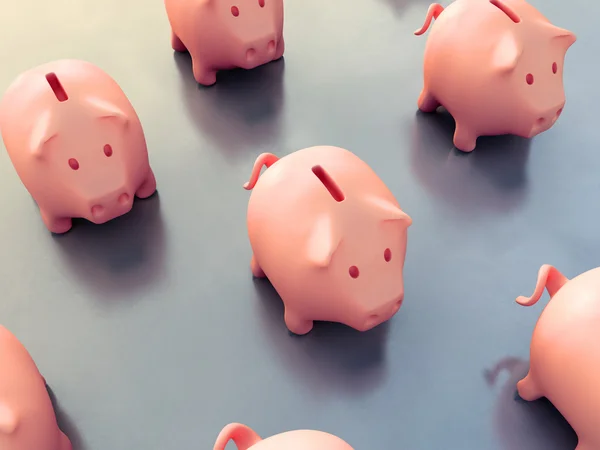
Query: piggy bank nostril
[540, 121]
[559, 112]
[124, 199]
[250, 54]
[271, 46]
[97, 210]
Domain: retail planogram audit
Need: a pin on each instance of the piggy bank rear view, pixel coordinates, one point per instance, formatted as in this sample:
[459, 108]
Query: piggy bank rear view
[27, 419]
[330, 237]
[76, 142]
[496, 66]
[246, 439]
[565, 351]
[221, 35]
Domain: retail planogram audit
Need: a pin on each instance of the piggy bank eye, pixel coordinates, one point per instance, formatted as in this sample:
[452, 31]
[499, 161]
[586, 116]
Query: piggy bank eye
[353, 271]
[387, 255]
[73, 164]
[235, 11]
[108, 150]
[529, 78]
[554, 67]
[261, 3]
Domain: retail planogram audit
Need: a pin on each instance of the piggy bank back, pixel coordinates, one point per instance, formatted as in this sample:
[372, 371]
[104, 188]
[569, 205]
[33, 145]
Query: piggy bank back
[565, 351]
[496, 66]
[330, 237]
[246, 439]
[224, 35]
[27, 419]
[75, 141]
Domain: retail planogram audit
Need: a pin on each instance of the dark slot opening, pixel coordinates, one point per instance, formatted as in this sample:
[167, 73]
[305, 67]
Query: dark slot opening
[506, 10]
[56, 87]
[328, 182]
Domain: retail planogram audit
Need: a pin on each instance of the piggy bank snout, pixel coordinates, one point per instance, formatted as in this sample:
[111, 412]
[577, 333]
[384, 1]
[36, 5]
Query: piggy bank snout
[261, 49]
[382, 313]
[111, 205]
[546, 119]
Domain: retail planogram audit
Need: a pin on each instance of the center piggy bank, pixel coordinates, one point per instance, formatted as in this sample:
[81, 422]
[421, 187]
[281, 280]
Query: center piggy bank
[222, 35]
[246, 439]
[330, 237]
[27, 419]
[76, 142]
[565, 351]
[496, 66]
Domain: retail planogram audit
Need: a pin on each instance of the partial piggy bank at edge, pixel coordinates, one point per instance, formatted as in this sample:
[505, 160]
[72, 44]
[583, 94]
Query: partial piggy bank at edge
[27, 419]
[496, 66]
[565, 351]
[329, 235]
[222, 35]
[76, 142]
[246, 439]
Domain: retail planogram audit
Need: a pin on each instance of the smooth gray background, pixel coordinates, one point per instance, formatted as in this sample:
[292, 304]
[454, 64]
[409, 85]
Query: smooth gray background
[150, 329]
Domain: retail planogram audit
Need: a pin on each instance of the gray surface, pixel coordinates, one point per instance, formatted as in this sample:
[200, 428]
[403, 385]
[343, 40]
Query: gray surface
[150, 329]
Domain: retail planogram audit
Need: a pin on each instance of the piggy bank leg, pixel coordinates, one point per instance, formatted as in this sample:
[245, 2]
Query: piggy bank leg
[295, 323]
[176, 43]
[528, 389]
[280, 49]
[56, 225]
[464, 139]
[202, 74]
[65, 442]
[427, 103]
[256, 269]
[148, 187]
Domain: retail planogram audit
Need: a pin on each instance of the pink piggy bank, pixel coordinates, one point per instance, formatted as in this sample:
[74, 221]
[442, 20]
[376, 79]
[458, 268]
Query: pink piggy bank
[223, 35]
[496, 66]
[27, 419]
[246, 439]
[76, 143]
[565, 351]
[329, 235]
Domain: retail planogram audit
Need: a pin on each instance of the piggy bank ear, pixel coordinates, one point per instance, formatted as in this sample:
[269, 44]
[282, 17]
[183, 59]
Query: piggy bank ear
[106, 110]
[41, 134]
[506, 53]
[8, 419]
[388, 211]
[562, 35]
[323, 241]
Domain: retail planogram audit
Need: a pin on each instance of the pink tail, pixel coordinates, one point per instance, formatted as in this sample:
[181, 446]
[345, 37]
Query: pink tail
[548, 277]
[435, 9]
[243, 437]
[265, 159]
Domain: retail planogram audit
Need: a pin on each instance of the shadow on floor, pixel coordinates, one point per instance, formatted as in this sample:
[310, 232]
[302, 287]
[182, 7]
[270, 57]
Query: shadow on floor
[65, 423]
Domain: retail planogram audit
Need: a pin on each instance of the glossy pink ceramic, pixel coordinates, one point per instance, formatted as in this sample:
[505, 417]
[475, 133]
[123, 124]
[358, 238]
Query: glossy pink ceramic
[496, 66]
[76, 142]
[565, 351]
[221, 35]
[329, 235]
[27, 419]
[246, 439]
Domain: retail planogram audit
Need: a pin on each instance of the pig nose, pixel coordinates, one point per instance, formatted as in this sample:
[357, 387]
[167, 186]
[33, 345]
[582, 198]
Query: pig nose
[271, 46]
[371, 321]
[123, 199]
[250, 54]
[558, 113]
[97, 211]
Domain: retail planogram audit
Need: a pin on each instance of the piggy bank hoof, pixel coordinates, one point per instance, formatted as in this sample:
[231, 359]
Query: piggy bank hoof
[65, 442]
[148, 187]
[255, 268]
[57, 226]
[296, 324]
[464, 140]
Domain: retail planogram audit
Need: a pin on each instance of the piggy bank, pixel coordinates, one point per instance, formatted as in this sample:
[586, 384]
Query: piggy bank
[329, 235]
[565, 351]
[496, 66]
[245, 439]
[223, 35]
[76, 143]
[27, 419]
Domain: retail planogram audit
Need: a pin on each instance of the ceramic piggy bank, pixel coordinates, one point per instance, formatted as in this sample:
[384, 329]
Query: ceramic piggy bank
[221, 35]
[565, 351]
[496, 66]
[246, 439]
[76, 143]
[27, 419]
[330, 237]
